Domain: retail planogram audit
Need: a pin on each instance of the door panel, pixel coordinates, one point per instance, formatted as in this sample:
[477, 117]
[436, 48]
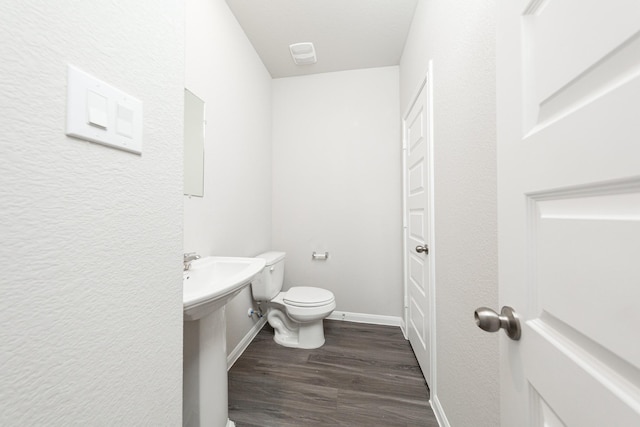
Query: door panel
[417, 220]
[417, 273]
[568, 63]
[418, 324]
[569, 210]
[585, 282]
[416, 178]
[415, 128]
[562, 51]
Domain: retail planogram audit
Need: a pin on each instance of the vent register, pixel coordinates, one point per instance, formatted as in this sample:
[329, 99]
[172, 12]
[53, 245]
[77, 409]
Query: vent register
[303, 53]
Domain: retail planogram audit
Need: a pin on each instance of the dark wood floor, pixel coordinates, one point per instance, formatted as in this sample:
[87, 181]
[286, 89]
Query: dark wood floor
[364, 375]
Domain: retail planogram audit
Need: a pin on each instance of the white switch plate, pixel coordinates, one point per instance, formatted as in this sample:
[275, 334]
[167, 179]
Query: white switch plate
[120, 126]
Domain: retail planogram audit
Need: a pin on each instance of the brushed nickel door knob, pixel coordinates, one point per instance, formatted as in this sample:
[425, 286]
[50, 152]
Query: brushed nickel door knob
[490, 321]
[421, 249]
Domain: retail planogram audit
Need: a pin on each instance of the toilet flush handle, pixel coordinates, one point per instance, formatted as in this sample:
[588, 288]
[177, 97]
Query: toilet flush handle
[271, 269]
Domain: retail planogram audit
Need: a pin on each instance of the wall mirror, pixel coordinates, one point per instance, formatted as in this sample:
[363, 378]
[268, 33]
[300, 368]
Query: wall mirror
[194, 124]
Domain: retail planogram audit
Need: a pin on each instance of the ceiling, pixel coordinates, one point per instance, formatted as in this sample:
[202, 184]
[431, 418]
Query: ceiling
[347, 34]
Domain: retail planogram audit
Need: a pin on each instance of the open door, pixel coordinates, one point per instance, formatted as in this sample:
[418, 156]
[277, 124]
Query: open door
[569, 211]
[418, 229]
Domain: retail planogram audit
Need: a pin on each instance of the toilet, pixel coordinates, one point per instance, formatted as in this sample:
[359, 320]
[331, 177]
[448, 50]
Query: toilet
[296, 315]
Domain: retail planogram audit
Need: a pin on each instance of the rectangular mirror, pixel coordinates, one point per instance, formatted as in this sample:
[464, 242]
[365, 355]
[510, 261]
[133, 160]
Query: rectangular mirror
[194, 123]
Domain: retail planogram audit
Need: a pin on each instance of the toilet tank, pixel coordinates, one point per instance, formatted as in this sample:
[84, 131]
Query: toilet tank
[268, 284]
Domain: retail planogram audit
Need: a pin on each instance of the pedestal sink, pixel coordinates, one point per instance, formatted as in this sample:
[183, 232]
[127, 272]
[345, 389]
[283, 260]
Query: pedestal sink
[212, 281]
[207, 286]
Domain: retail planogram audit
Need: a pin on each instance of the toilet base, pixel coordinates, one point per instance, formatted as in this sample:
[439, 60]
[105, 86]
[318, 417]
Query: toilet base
[288, 333]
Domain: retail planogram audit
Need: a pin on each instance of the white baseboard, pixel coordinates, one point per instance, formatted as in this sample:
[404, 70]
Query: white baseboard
[244, 343]
[374, 319]
[439, 412]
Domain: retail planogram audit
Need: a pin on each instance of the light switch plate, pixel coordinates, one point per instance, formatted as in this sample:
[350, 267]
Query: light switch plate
[115, 121]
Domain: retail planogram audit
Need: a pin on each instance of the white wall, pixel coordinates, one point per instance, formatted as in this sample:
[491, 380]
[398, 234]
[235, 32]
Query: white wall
[459, 36]
[91, 306]
[234, 216]
[337, 185]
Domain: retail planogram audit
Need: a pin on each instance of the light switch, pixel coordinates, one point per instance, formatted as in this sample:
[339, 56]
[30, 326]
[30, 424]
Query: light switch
[124, 124]
[97, 109]
[101, 113]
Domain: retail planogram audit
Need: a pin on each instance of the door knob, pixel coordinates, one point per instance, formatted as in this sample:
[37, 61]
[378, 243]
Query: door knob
[490, 321]
[421, 249]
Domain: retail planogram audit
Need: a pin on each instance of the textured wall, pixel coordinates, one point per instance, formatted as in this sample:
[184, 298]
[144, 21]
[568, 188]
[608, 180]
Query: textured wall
[91, 306]
[234, 216]
[459, 36]
[337, 185]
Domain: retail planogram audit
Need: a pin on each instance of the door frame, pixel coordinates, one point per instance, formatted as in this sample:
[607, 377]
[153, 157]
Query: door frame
[426, 84]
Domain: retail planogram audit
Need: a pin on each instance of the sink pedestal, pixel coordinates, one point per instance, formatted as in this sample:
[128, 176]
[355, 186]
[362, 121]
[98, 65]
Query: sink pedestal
[204, 390]
[207, 286]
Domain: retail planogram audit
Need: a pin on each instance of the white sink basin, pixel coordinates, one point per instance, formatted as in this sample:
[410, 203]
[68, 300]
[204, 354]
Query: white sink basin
[212, 281]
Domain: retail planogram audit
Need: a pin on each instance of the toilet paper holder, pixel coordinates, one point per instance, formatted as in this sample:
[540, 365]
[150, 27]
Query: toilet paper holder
[319, 255]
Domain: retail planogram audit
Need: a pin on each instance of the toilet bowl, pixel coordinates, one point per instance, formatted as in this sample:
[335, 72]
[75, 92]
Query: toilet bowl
[296, 315]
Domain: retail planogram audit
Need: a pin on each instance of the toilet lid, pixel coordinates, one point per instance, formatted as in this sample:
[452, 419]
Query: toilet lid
[305, 296]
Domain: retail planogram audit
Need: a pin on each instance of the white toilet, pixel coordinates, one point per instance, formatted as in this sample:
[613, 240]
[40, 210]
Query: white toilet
[305, 307]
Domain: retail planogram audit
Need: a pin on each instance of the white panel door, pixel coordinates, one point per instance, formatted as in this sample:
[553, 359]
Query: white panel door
[569, 211]
[417, 232]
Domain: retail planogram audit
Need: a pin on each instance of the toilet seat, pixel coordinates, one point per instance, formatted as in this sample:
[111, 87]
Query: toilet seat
[307, 296]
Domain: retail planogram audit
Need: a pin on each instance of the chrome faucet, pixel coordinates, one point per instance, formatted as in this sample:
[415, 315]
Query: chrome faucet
[186, 260]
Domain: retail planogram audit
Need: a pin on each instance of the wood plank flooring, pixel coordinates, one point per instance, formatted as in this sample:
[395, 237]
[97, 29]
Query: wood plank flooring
[364, 375]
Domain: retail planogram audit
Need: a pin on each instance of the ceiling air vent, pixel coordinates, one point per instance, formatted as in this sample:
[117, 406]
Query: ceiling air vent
[303, 53]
